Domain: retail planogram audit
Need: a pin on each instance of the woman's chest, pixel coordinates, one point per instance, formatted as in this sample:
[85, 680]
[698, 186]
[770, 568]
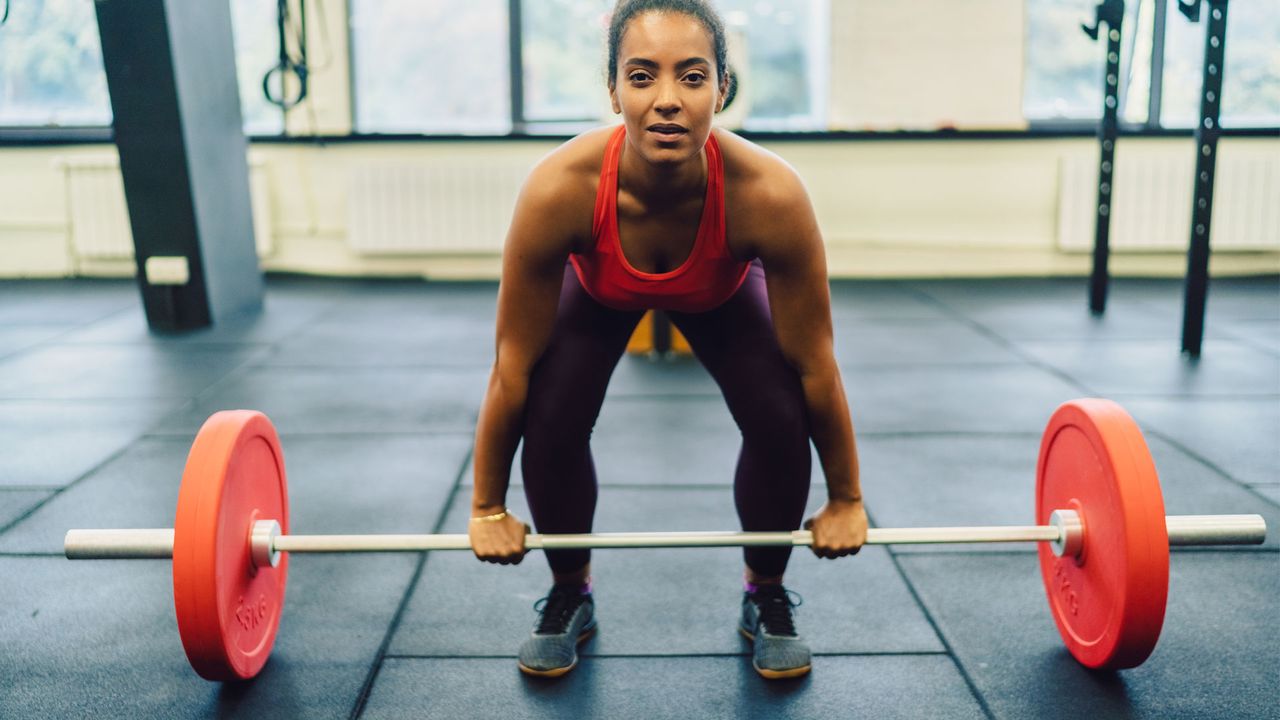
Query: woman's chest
[662, 240]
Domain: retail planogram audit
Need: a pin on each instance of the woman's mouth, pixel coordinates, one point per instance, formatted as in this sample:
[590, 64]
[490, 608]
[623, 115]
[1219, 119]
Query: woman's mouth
[665, 132]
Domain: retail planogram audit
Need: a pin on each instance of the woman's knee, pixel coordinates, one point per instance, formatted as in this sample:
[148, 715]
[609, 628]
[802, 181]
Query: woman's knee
[776, 420]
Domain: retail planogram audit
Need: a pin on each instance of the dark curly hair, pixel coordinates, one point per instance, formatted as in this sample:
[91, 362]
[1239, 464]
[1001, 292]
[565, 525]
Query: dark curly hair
[700, 10]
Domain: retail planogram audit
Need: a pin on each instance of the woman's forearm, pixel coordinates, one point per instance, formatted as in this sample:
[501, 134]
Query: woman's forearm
[832, 431]
[498, 432]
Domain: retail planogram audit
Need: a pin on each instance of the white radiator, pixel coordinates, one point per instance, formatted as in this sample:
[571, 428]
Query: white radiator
[99, 217]
[442, 206]
[1151, 200]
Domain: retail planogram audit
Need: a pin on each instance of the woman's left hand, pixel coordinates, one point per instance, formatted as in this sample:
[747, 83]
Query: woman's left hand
[839, 528]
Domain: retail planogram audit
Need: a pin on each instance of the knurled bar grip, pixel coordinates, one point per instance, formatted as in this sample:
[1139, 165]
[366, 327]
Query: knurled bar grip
[158, 543]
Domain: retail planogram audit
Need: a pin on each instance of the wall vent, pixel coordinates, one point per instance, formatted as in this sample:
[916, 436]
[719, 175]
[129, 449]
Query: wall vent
[99, 217]
[1153, 194]
[454, 206]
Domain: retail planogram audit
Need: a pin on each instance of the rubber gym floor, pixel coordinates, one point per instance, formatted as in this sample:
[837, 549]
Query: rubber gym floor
[374, 387]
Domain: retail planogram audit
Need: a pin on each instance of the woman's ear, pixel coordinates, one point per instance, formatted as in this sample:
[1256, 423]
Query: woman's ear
[728, 89]
[613, 98]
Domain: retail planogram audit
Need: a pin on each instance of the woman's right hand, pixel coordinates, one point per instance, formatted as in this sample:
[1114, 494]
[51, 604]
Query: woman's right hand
[497, 540]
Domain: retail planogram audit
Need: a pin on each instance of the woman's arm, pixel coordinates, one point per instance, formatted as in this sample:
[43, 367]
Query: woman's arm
[533, 262]
[790, 245]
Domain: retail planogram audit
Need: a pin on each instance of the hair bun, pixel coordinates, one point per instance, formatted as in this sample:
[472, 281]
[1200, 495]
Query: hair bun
[732, 92]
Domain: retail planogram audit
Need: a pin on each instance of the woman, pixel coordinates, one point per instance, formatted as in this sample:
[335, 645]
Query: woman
[665, 212]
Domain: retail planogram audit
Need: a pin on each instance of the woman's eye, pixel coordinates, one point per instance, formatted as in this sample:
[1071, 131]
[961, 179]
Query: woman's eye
[695, 78]
[638, 77]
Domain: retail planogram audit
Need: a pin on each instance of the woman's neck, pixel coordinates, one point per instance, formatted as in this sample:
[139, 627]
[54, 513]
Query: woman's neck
[662, 184]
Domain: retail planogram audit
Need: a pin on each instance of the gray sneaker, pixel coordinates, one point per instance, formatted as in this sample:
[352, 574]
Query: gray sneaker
[778, 651]
[566, 618]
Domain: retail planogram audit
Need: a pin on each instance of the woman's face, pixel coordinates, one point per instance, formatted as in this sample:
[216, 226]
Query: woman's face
[666, 86]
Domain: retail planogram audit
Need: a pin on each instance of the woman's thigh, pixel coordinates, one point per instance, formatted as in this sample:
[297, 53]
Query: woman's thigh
[737, 344]
[568, 383]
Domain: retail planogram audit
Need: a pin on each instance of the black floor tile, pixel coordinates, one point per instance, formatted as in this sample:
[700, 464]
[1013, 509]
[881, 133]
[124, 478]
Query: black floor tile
[1032, 320]
[659, 601]
[418, 298]
[67, 303]
[968, 295]
[51, 443]
[1269, 491]
[1001, 399]
[391, 341]
[1243, 298]
[350, 400]
[1238, 436]
[1217, 656]
[336, 486]
[1042, 309]
[283, 314]
[682, 687]
[17, 338]
[15, 503]
[881, 343]
[1143, 367]
[859, 300]
[113, 372]
[1261, 334]
[99, 639]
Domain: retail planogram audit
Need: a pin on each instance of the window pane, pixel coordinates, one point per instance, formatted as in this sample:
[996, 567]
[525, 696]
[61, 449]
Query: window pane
[782, 43]
[1064, 66]
[786, 46]
[1251, 79]
[432, 66]
[254, 26]
[565, 59]
[51, 65]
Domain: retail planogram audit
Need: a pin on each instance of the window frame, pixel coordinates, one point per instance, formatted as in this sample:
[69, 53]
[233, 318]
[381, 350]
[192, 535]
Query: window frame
[522, 128]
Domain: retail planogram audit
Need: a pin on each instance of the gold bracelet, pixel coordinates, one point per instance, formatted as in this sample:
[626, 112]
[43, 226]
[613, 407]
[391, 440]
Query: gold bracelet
[490, 518]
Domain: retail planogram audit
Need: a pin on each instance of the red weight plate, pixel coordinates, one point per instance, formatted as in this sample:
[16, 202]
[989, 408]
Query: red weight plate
[1109, 602]
[228, 611]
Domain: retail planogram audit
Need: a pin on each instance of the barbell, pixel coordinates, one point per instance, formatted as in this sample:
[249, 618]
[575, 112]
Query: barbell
[1103, 539]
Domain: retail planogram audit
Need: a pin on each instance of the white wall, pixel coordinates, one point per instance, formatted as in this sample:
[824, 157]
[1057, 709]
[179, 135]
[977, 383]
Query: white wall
[925, 64]
[920, 208]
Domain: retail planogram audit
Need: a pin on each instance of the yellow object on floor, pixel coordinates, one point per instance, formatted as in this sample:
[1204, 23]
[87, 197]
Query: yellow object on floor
[655, 333]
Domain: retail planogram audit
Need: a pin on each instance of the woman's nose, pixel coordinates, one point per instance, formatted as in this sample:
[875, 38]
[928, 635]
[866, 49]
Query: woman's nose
[668, 100]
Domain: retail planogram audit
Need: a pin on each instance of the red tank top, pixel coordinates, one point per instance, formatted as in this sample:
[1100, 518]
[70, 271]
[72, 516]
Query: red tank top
[707, 278]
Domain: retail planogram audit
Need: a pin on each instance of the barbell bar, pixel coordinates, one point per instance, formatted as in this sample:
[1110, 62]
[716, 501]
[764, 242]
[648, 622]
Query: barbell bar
[265, 540]
[1103, 539]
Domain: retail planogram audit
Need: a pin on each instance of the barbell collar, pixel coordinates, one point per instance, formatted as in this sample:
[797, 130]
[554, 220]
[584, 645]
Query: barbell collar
[138, 544]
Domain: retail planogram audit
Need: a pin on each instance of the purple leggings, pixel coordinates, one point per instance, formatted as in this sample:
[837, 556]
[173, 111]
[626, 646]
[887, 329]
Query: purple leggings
[737, 345]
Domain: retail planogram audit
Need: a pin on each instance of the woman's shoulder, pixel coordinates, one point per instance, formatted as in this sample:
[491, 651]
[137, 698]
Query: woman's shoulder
[559, 193]
[574, 160]
[755, 173]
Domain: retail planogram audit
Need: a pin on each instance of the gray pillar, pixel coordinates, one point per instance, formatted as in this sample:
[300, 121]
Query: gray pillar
[172, 77]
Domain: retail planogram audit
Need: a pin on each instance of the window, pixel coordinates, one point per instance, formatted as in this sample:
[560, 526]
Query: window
[51, 66]
[253, 24]
[51, 72]
[786, 46]
[565, 59]
[1064, 66]
[431, 66]
[1251, 79]
[400, 47]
